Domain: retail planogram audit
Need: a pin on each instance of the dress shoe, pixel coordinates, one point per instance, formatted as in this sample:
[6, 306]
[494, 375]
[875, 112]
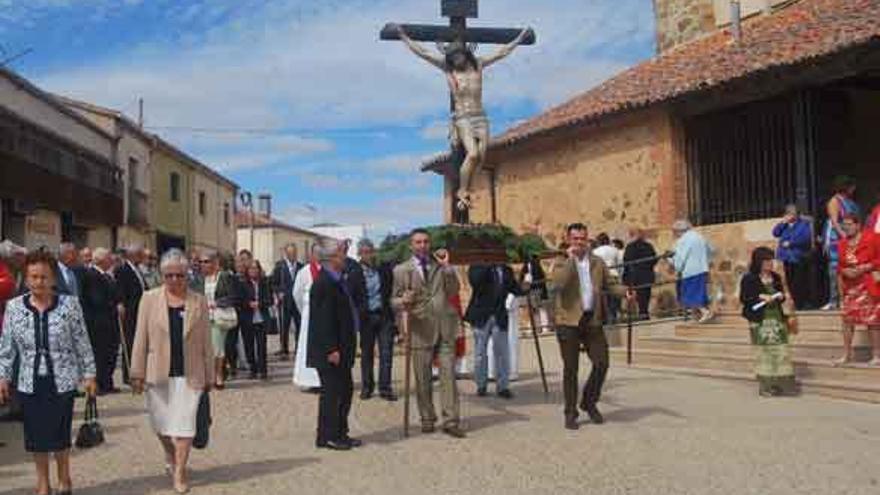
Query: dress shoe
[366, 394]
[313, 390]
[428, 428]
[454, 431]
[595, 416]
[481, 392]
[389, 396]
[505, 394]
[571, 423]
[264, 376]
[333, 445]
[354, 442]
[252, 376]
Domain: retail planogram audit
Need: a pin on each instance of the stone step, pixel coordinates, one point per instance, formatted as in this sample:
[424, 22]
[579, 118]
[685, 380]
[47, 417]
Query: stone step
[839, 390]
[740, 346]
[809, 318]
[857, 375]
[806, 334]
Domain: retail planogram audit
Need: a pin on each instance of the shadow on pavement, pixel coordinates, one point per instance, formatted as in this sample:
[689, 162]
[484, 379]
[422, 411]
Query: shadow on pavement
[198, 478]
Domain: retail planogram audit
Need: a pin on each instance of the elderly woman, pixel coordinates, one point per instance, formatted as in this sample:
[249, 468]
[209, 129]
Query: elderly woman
[46, 331]
[857, 263]
[691, 264]
[172, 361]
[839, 206]
[762, 294]
[221, 291]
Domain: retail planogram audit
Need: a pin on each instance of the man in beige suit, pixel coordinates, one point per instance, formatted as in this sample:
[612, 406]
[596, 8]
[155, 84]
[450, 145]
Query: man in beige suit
[579, 280]
[422, 287]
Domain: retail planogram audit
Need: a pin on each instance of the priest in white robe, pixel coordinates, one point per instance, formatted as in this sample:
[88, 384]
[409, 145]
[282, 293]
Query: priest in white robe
[303, 376]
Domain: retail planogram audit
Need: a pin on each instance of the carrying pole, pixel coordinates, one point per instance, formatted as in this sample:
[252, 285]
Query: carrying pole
[537, 344]
[407, 371]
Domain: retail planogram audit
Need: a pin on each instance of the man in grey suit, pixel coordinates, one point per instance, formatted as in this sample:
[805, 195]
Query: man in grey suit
[423, 287]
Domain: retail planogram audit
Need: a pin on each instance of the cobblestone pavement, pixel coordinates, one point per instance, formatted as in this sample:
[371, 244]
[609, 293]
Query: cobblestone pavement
[665, 434]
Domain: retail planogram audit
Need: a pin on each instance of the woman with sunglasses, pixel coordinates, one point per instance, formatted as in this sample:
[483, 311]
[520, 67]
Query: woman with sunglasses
[172, 361]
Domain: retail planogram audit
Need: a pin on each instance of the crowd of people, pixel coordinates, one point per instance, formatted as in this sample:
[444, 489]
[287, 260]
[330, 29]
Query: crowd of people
[186, 324]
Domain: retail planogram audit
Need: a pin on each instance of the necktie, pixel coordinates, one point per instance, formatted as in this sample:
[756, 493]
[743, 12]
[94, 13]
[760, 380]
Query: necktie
[424, 264]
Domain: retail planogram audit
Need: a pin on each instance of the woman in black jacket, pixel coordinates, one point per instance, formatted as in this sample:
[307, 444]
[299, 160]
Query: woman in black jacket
[255, 319]
[762, 293]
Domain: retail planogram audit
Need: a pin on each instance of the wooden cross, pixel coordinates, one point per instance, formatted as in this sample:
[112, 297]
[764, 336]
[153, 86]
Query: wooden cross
[458, 11]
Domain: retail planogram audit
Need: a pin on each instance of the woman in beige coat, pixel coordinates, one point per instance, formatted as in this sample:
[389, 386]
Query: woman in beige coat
[172, 361]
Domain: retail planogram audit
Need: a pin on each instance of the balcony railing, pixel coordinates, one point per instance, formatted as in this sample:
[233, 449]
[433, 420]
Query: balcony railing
[35, 146]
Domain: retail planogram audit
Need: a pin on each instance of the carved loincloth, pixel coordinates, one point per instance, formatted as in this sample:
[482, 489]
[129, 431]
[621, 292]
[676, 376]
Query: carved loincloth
[477, 123]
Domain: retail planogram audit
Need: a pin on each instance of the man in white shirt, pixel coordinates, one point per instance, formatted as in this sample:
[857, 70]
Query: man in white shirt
[578, 281]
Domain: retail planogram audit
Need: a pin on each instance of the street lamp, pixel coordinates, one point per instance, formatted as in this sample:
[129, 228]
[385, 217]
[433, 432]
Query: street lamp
[247, 200]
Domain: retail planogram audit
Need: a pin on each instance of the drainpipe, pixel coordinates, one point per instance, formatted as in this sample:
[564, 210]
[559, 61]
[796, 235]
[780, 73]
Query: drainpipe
[735, 21]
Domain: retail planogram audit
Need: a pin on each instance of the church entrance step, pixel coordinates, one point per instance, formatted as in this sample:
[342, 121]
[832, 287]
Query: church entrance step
[740, 346]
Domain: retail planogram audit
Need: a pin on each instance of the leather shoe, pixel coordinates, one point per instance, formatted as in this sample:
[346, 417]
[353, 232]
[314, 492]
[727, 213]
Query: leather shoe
[571, 423]
[505, 394]
[354, 442]
[366, 394]
[389, 396]
[428, 428]
[595, 416]
[481, 392]
[454, 431]
[333, 445]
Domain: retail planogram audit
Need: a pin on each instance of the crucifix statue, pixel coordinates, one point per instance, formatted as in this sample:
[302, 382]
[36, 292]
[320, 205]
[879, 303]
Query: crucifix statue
[469, 130]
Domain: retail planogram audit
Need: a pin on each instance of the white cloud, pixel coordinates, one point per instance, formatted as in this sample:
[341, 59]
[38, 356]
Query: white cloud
[435, 131]
[301, 66]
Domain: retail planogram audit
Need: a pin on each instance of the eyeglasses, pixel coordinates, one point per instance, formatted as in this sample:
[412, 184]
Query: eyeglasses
[174, 276]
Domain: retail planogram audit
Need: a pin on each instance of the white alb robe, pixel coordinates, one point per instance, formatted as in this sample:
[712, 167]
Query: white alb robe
[303, 376]
[512, 305]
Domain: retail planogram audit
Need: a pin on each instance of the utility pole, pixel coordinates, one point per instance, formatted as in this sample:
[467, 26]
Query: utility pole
[141, 113]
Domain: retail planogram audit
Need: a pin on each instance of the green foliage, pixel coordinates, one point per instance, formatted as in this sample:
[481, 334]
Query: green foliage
[395, 249]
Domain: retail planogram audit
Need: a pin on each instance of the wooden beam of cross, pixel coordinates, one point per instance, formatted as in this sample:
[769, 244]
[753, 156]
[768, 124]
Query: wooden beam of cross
[458, 11]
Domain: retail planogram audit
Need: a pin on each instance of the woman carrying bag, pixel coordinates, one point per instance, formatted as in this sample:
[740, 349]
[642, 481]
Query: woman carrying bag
[762, 294]
[47, 332]
[222, 296]
[172, 361]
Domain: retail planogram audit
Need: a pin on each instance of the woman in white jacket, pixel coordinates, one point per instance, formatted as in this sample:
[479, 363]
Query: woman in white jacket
[303, 376]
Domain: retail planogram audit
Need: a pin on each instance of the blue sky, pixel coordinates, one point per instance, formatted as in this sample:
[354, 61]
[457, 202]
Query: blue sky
[299, 98]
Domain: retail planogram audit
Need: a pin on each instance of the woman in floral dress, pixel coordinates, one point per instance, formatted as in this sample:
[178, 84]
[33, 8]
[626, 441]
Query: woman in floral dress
[762, 294]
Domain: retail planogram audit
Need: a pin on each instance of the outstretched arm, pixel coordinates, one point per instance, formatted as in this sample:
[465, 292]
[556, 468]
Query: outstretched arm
[505, 50]
[420, 51]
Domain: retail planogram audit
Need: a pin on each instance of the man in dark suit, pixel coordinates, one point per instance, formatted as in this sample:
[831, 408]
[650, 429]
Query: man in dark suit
[131, 286]
[333, 324]
[101, 301]
[377, 321]
[487, 314]
[283, 277]
[639, 259]
[68, 271]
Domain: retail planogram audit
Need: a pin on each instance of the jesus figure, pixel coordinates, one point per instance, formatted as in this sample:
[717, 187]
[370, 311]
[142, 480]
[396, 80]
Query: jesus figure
[470, 125]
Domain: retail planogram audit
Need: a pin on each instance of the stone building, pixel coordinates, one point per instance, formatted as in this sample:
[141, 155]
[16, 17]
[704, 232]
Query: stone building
[58, 177]
[133, 156]
[266, 237]
[193, 206]
[720, 130]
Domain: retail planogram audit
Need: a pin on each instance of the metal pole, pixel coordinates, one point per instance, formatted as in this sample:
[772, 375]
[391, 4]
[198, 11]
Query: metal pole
[407, 338]
[537, 344]
[629, 336]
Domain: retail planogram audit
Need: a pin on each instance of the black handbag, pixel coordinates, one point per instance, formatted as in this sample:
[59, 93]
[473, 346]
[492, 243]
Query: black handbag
[91, 433]
[203, 422]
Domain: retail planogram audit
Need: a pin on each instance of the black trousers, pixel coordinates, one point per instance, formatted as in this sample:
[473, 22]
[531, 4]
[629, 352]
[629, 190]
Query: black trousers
[376, 329]
[570, 340]
[254, 337]
[111, 345]
[230, 349]
[334, 404]
[643, 297]
[799, 284]
[129, 327]
[289, 314]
